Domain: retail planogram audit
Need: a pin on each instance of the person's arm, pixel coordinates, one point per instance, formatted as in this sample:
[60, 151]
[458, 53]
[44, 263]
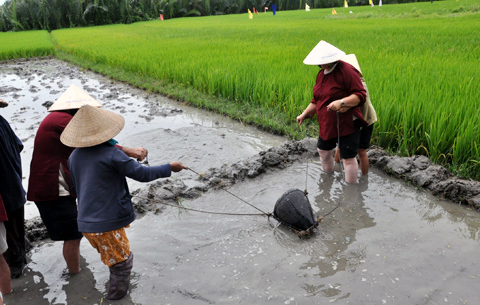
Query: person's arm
[132, 169]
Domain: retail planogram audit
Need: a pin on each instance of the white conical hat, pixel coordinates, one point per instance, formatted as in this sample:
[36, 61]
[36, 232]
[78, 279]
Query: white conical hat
[91, 126]
[73, 98]
[323, 53]
[352, 59]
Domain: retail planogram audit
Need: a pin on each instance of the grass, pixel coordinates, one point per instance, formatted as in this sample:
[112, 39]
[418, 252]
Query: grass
[420, 61]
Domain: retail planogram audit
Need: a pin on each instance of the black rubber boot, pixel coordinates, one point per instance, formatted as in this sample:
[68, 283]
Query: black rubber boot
[120, 279]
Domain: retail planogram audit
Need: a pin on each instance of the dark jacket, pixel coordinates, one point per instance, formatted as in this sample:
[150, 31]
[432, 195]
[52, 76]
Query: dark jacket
[11, 187]
[98, 179]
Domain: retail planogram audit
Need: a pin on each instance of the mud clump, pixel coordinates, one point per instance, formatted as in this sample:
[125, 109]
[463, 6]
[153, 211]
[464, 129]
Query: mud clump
[35, 229]
[421, 172]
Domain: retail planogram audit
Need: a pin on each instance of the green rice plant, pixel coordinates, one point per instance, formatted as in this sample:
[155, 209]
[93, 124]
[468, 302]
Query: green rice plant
[421, 73]
[25, 44]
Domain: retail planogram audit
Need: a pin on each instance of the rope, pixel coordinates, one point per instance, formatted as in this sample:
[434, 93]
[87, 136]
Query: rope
[200, 211]
[265, 213]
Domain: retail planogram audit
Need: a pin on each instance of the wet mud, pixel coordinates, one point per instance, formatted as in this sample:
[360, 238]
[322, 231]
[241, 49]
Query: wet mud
[197, 241]
[421, 172]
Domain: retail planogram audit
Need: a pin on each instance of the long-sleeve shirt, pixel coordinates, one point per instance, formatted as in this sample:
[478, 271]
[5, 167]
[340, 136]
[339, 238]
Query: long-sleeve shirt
[48, 154]
[11, 186]
[339, 83]
[99, 180]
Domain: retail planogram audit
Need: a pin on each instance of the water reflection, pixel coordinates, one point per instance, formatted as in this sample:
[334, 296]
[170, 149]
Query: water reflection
[333, 250]
[442, 212]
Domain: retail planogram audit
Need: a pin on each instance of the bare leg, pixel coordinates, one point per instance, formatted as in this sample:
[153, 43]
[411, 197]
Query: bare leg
[351, 170]
[363, 157]
[326, 158]
[5, 284]
[71, 253]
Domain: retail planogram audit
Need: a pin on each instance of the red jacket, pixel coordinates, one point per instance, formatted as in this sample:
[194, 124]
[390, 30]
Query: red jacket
[340, 83]
[48, 154]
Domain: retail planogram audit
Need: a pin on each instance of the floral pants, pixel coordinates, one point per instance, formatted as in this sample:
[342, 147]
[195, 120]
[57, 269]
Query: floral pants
[113, 246]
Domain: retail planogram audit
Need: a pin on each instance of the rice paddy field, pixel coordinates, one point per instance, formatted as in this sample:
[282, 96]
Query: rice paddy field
[25, 44]
[420, 61]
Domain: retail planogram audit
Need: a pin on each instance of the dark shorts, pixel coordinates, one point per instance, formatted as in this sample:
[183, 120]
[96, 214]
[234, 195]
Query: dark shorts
[348, 144]
[60, 218]
[365, 136]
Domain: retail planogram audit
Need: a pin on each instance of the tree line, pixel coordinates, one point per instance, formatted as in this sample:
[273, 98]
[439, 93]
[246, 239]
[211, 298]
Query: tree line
[24, 15]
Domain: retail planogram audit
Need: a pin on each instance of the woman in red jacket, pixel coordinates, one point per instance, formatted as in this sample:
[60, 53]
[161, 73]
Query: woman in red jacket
[337, 92]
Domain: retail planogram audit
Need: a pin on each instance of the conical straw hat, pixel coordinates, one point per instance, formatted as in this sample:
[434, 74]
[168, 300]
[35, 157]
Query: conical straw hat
[91, 126]
[73, 98]
[323, 53]
[352, 59]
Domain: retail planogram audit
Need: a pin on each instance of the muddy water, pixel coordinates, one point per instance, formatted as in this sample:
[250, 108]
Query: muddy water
[386, 243]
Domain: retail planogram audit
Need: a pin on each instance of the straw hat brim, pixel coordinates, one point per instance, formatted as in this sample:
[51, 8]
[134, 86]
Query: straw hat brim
[73, 98]
[323, 53]
[91, 126]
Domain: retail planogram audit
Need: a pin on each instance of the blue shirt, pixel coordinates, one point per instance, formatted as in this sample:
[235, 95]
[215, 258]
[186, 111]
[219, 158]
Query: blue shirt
[98, 176]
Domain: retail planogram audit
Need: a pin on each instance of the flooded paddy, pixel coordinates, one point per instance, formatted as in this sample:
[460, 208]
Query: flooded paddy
[386, 243]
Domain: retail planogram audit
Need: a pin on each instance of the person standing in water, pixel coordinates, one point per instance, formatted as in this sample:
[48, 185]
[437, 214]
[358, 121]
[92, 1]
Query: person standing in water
[337, 93]
[370, 116]
[49, 181]
[13, 197]
[98, 172]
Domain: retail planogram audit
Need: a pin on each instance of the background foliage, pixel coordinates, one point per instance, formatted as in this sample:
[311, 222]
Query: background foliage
[22, 15]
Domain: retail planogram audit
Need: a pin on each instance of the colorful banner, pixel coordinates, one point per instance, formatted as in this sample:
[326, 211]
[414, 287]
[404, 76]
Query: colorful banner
[274, 8]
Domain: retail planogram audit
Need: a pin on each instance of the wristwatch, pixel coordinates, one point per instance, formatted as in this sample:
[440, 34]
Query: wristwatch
[342, 103]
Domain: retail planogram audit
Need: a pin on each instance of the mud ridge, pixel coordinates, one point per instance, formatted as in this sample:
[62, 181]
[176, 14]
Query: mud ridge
[172, 191]
[417, 170]
[421, 172]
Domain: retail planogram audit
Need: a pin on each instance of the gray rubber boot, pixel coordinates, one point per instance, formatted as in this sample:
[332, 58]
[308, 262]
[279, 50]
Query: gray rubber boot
[120, 279]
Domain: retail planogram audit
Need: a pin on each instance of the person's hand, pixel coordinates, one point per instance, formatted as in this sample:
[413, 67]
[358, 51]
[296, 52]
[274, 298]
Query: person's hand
[300, 119]
[138, 153]
[177, 166]
[335, 106]
[343, 109]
